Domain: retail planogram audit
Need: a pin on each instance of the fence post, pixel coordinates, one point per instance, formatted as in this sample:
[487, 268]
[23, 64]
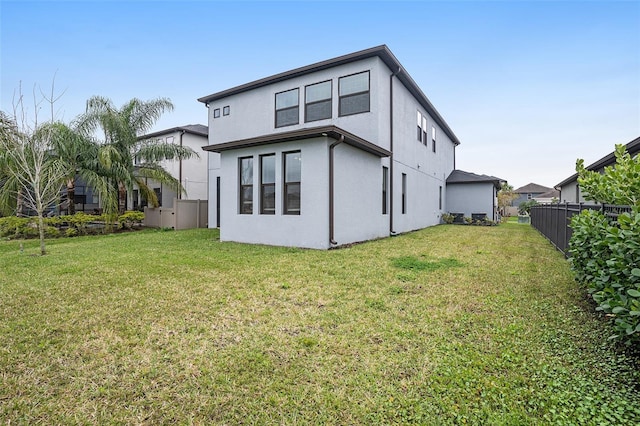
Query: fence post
[566, 226]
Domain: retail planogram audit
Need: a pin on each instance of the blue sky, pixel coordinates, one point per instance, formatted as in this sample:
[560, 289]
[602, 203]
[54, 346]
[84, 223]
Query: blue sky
[527, 87]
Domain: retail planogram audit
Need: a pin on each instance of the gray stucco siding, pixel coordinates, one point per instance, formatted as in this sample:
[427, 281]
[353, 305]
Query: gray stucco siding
[309, 229]
[358, 196]
[253, 112]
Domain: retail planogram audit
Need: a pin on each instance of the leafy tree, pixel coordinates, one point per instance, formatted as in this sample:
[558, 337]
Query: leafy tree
[80, 155]
[506, 195]
[619, 184]
[121, 150]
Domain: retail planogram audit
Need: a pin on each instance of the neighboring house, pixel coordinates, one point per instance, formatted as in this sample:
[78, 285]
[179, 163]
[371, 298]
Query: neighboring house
[529, 192]
[86, 198]
[191, 172]
[548, 197]
[340, 151]
[569, 188]
[474, 196]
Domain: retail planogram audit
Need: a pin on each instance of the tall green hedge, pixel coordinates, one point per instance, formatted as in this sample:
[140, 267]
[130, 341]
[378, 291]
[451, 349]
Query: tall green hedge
[605, 253]
[606, 256]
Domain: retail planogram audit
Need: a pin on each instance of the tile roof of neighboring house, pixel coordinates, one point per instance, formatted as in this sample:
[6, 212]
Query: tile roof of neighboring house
[532, 188]
[554, 193]
[633, 148]
[382, 52]
[314, 132]
[196, 129]
[460, 176]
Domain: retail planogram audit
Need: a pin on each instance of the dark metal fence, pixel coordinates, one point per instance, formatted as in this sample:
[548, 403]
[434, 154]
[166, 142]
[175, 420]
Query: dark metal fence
[554, 220]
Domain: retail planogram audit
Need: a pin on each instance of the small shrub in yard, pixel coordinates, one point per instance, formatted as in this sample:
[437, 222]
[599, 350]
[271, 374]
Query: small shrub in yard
[448, 218]
[80, 221]
[130, 219]
[13, 227]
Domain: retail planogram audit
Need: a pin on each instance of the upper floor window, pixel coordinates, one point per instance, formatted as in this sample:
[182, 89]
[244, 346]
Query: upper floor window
[287, 108]
[292, 179]
[216, 113]
[246, 185]
[424, 129]
[354, 94]
[419, 126]
[226, 110]
[433, 137]
[268, 184]
[317, 101]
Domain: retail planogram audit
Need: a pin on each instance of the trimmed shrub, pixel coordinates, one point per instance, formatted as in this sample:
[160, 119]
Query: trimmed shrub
[13, 227]
[130, 218]
[80, 221]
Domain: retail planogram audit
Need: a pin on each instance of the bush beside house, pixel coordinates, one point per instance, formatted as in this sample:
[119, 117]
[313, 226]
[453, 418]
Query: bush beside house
[605, 253]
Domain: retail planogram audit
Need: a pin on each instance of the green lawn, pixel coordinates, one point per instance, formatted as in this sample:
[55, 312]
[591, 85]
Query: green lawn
[448, 325]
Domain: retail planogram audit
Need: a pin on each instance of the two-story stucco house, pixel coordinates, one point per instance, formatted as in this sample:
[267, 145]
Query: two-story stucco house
[191, 172]
[340, 151]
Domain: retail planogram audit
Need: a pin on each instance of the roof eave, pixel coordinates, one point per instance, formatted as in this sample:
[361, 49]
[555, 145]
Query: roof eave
[172, 130]
[323, 131]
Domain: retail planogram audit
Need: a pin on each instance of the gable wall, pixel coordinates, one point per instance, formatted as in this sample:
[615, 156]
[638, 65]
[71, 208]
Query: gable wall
[470, 198]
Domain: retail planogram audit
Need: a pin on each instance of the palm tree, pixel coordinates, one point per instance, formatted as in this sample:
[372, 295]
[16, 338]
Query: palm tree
[9, 187]
[121, 149]
[80, 155]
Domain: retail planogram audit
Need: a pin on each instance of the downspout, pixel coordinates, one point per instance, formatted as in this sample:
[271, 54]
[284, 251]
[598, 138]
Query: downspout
[493, 201]
[454, 156]
[180, 170]
[391, 230]
[332, 240]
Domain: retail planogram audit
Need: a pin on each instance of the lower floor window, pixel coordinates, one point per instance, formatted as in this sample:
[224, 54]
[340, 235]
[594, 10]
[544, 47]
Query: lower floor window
[268, 184]
[158, 192]
[292, 178]
[404, 193]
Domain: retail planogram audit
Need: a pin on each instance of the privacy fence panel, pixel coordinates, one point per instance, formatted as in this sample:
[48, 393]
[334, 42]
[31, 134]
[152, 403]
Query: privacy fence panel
[554, 220]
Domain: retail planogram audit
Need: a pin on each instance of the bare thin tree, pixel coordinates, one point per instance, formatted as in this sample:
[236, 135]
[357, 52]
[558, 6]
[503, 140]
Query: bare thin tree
[36, 176]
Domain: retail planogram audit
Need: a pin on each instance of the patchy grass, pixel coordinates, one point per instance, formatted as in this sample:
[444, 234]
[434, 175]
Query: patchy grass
[176, 327]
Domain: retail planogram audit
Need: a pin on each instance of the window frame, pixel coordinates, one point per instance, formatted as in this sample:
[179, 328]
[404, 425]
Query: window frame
[296, 107]
[263, 185]
[341, 97]
[158, 192]
[286, 209]
[404, 193]
[216, 113]
[307, 104]
[242, 202]
[385, 190]
[419, 120]
[226, 110]
[424, 130]
[433, 137]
